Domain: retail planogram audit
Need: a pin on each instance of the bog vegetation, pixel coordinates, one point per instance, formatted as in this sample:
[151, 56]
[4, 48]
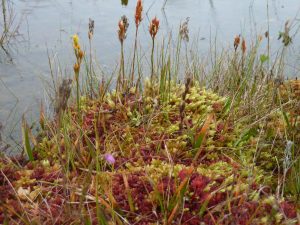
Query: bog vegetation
[177, 139]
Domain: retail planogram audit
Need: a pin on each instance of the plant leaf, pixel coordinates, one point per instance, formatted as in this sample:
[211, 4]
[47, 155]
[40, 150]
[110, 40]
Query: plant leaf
[246, 136]
[26, 141]
[263, 58]
[286, 119]
[200, 137]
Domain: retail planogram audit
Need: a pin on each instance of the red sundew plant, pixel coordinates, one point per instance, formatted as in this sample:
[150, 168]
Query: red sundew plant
[288, 209]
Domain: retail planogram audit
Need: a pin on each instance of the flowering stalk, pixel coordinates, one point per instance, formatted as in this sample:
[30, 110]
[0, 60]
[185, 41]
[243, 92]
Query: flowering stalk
[236, 43]
[184, 35]
[4, 16]
[243, 48]
[153, 29]
[123, 26]
[79, 56]
[138, 20]
[90, 36]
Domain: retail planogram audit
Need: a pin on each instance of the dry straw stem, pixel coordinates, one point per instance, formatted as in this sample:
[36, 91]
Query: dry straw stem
[129, 196]
[182, 185]
[201, 135]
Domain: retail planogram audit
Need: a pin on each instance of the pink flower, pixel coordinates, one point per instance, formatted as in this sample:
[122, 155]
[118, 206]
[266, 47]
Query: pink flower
[109, 158]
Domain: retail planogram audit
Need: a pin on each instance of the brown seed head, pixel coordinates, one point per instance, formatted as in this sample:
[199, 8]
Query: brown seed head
[80, 54]
[184, 30]
[91, 28]
[267, 34]
[154, 26]
[76, 68]
[138, 13]
[243, 46]
[123, 26]
[236, 43]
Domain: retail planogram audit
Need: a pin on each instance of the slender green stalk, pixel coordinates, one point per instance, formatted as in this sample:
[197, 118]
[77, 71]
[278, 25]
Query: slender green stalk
[177, 57]
[268, 34]
[4, 16]
[134, 53]
[90, 72]
[121, 79]
[152, 59]
[77, 91]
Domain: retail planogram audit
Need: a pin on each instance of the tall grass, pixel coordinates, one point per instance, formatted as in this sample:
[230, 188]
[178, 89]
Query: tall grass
[10, 26]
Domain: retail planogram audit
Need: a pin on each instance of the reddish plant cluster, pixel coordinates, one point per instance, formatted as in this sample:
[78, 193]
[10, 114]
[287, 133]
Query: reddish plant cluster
[242, 213]
[7, 195]
[149, 153]
[202, 193]
[166, 187]
[241, 210]
[139, 189]
[53, 211]
[122, 125]
[288, 209]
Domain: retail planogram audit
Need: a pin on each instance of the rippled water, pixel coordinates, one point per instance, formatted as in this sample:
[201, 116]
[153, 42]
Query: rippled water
[49, 24]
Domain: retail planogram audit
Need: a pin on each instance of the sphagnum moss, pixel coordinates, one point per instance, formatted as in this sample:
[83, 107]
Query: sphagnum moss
[157, 157]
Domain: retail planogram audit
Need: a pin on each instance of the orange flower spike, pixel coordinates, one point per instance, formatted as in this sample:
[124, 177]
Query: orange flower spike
[76, 68]
[244, 47]
[138, 12]
[236, 44]
[76, 42]
[154, 26]
[80, 54]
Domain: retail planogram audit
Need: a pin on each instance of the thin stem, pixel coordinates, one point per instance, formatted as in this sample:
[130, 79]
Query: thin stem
[4, 16]
[91, 80]
[152, 60]
[134, 53]
[178, 49]
[164, 5]
[123, 65]
[186, 55]
[121, 73]
[77, 91]
[268, 17]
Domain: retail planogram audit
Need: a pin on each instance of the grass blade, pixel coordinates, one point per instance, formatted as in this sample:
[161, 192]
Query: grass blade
[26, 141]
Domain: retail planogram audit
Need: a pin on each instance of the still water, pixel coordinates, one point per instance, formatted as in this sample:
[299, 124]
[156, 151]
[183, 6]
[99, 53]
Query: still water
[46, 27]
